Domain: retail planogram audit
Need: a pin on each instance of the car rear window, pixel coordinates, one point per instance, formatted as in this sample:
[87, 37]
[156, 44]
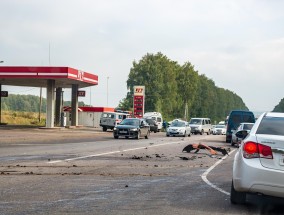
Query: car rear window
[271, 125]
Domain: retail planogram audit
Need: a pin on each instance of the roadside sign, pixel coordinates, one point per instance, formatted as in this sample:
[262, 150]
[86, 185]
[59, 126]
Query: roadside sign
[81, 93]
[4, 93]
[139, 101]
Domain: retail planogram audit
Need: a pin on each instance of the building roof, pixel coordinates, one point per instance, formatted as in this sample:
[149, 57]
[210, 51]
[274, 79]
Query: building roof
[37, 76]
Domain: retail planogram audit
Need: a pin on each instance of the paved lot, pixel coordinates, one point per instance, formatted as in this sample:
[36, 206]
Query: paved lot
[30, 134]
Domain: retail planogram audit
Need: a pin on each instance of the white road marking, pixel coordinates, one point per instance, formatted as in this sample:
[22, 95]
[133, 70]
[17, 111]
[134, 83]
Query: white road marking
[112, 152]
[204, 175]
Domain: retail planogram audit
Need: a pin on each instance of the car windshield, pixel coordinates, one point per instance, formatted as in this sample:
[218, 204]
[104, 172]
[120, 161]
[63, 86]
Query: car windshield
[134, 122]
[271, 125]
[195, 121]
[178, 124]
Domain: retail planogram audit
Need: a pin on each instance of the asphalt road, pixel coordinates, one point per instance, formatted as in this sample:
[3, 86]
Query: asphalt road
[85, 171]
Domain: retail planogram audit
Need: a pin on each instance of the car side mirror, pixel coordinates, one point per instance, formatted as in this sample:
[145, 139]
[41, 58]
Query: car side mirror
[242, 134]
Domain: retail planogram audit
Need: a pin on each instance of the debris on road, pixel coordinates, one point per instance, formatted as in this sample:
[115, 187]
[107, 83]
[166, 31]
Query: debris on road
[212, 149]
[188, 158]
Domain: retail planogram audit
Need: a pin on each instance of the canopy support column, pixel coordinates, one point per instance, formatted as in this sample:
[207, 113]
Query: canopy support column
[74, 105]
[50, 100]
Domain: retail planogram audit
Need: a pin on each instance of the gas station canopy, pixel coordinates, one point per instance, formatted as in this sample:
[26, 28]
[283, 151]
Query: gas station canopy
[54, 79]
[37, 76]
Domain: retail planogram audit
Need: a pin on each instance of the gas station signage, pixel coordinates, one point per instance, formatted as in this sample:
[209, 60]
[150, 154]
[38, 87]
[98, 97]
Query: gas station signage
[139, 101]
[4, 94]
[81, 93]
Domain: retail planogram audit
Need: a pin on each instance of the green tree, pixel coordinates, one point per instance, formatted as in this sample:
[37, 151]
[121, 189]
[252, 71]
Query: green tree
[169, 88]
[279, 107]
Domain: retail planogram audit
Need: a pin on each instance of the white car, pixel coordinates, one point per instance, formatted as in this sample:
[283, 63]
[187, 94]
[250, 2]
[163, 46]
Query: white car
[179, 128]
[259, 163]
[219, 129]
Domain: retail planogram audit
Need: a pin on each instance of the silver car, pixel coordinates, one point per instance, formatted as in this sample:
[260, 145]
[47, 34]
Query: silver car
[179, 128]
[259, 163]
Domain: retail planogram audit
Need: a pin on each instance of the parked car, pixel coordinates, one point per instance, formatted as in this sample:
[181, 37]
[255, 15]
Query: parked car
[243, 126]
[132, 127]
[235, 118]
[153, 124]
[200, 125]
[259, 163]
[179, 128]
[219, 129]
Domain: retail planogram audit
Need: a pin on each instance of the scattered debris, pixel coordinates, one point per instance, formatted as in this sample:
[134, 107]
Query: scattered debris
[74, 165]
[184, 158]
[187, 158]
[126, 185]
[212, 149]
[136, 157]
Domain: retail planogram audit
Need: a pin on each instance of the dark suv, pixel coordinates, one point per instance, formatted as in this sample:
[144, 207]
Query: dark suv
[235, 118]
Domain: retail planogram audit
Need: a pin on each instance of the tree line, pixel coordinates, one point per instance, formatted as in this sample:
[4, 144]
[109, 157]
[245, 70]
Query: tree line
[178, 91]
[27, 103]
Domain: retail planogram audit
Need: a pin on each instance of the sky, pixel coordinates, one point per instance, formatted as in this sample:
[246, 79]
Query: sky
[239, 44]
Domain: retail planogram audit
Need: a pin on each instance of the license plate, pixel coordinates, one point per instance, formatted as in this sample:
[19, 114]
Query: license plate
[123, 132]
[281, 161]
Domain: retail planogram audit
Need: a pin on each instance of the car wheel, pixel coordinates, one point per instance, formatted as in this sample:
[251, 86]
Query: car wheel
[189, 134]
[115, 137]
[209, 132]
[104, 128]
[184, 134]
[138, 135]
[147, 135]
[202, 132]
[237, 197]
[126, 137]
[168, 135]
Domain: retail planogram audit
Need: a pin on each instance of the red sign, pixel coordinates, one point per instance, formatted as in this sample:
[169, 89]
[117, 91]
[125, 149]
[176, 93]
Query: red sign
[81, 93]
[4, 94]
[138, 106]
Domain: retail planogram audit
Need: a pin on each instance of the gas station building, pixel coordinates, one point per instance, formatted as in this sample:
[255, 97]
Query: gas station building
[54, 79]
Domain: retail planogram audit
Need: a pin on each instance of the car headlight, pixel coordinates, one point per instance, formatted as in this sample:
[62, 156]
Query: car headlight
[133, 129]
[114, 128]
